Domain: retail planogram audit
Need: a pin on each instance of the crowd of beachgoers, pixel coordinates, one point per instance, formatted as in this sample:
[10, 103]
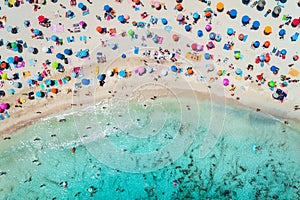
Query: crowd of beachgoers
[40, 55]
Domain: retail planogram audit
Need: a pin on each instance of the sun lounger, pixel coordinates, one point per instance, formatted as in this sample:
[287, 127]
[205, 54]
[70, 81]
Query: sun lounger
[6, 114]
[1, 117]
[64, 80]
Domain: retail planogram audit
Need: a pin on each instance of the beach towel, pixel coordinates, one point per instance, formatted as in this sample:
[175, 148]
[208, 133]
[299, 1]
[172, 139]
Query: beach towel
[60, 28]
[32, 62]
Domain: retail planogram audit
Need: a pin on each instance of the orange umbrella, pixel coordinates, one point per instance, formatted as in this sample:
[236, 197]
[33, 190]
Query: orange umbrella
[241, 37]
[190, 71]
[3, 65]
[179, 7]
[207, 14]
[268, 30]
[99, 29]
[267, 59]
[137, 2]
[54, 90]
[266, 44]
[220, 6]
[175, 37]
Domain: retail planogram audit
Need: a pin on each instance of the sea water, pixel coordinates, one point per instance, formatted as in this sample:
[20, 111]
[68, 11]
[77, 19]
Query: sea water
[152, 150]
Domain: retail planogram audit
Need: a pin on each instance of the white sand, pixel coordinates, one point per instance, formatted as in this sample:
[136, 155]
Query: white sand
[254, 96]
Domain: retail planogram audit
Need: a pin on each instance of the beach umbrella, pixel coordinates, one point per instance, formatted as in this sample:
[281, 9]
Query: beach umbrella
[256, 44]
[295, 57]
[157, 5]
[54, 38]
[283, 52]
[164, 21]
[230, 31]
[4, 106]
[255, 25]
[207, 56]
[106, 8]
[12, 91]
[131, 32]
[226, 81]
[164, 72]
[60, 56]
[282, 32]
[212, 36]
[10, 60]
[260, 5]
[179, 7]
[121, 19]
[196, 16]
[271, 84]
[17, 84]
[30, 49]
[295, 22]
[276, 11]
[180, 17]
[266, 44]
[99, 29]
[41, 18]
[194, 46]
[101, 77]
[268, 30]
[174, 68]
[45, 49]
[245, 19]
[220, 7]
[54, 65]
[123, 56]
[141, 70]
[85, 81]
[239, 72]
[175, 37]
[187, 28]
[14, 45]
[208, 27]
[9, 28]
[200, 33]
[122, 73]
[36, 32]
[210, 67]
[40, 94]
[283, 1]
[126, 17]
[274, 68]
[218, 38]
[80, 5]
[233, 13]
[68, 52]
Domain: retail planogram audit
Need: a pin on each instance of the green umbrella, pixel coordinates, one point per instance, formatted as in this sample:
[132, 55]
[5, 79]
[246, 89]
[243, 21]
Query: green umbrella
[13, 45]
[55, 65]
[271, 84]
[237, 55]
[131, 32]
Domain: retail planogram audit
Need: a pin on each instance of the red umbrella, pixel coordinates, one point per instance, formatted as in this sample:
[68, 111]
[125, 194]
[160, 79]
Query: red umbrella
[295, 22]
[41, 18]
[194, 46]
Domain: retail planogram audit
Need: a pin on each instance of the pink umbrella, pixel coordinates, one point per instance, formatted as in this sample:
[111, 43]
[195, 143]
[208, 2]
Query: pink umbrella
[141, 70]
[3, 106]
[226, 81]
[157, 5]
[81, 23]
[1, 110]
[126, 17]
[180, 17]
[194, 46]
[208, 27]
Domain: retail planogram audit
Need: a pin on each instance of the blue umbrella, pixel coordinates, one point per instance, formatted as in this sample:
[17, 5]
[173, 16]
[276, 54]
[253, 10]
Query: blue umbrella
[283, 52]
[80, 5]
[187, 28]
[10, 60]
[239, 72]
[174, 68]
[282, 32]
[245, 19]
[164, 21]
[200, 33]
[68, 52]
[74, 75]
[48, 82]
[122, 73]
[39, 94]
[30, 82]
[262, 58]
[207, 56]
[233, 13]
[60, 56]
[196, 15]
[107, 8]
[85, 81]
[230, 31]
[121, 19]
[36, 31]
[54, 38]
[17, 84]
[12, 91]
[101, 77]
[218, 37]
[274, 68]
[256, 44]
[123, 56]
[212, 36]
[255, 25]
[30, 49]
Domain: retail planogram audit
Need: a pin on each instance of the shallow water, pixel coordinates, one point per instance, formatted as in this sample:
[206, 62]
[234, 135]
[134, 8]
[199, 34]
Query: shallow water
[133, 151]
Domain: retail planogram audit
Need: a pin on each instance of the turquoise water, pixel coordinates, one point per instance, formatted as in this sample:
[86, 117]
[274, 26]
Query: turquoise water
[150, 149]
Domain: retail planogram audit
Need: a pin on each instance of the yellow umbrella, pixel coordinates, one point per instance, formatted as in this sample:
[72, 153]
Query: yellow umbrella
[294, 72]
[220, 6]
[268, 30]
